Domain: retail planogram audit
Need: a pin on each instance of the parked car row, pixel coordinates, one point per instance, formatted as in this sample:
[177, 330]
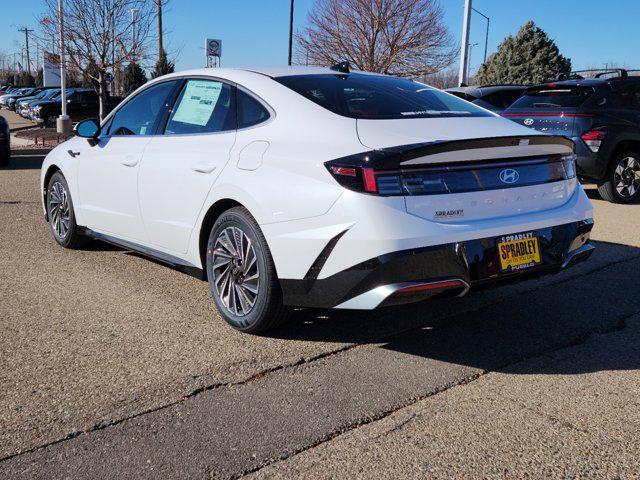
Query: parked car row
[601, 115]
[43, 105]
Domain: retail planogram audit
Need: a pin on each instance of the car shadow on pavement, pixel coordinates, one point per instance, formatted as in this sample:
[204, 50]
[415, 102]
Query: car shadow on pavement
[492, 329]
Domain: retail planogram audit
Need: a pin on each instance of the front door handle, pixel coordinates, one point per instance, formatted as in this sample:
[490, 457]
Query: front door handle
[203, 168]
[129, 162]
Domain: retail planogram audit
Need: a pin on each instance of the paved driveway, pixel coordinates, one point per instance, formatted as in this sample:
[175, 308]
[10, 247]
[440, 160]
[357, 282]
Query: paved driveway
[114, 366]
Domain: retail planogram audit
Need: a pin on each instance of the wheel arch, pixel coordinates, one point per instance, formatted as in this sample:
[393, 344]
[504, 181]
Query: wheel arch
[624, 145]
[214, 211]
[51, 170]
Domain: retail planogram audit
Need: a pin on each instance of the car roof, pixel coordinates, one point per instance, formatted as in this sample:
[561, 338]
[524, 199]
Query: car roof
[481, 90]
[272, 72]
[592, 82]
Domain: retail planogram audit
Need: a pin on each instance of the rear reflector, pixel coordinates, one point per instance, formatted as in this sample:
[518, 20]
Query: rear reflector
[444, 285]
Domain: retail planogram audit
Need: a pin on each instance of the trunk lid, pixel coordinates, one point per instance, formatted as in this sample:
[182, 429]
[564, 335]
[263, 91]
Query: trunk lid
[472, 169]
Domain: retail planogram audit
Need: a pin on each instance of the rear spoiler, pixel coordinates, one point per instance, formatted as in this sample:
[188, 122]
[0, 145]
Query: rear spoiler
[451, 151]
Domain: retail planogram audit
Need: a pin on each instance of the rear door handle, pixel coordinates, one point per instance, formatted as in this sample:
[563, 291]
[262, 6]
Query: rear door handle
[72, 153]
[203, 168]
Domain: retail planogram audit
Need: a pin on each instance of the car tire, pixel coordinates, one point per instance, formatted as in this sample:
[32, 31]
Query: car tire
[242, 276]
[4, 160]
[622, 184]
[61, 215]
[51, 121]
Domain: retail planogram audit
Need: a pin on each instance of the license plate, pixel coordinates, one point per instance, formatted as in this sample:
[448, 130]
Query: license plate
[518, 252]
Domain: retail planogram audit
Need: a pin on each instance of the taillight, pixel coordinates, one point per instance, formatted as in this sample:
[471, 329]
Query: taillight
[458, 177]
[593, 139]
[366, 179]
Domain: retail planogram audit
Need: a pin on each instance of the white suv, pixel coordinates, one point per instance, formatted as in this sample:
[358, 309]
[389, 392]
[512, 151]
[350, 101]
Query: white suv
[318, 187]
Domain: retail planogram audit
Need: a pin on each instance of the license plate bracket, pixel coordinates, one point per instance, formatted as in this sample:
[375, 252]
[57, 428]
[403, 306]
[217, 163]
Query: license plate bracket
[519, 251]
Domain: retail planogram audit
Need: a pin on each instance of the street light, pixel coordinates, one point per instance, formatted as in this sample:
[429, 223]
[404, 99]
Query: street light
[464, 47]
[469, 57]
[486, 37]
[63, 124]
[290, 32]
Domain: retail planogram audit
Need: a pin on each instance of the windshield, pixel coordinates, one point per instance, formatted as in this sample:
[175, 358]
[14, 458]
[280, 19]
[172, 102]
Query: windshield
[557, 97]
[379, 97]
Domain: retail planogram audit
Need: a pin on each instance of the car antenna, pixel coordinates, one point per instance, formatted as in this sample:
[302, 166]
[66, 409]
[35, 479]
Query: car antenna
[342, 67]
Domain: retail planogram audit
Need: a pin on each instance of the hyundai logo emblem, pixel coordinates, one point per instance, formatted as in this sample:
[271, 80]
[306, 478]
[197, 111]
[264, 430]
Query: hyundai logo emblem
[509, 176]
[528, 121]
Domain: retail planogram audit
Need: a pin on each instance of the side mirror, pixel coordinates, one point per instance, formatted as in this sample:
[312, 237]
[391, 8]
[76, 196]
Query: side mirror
[87, 129]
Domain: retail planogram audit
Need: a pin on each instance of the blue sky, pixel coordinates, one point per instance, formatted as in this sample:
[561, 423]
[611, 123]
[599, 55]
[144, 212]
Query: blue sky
[254, 32]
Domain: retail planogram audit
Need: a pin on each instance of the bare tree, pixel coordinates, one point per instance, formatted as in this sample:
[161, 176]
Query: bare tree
[443, 79]
[101, 35]
[399, 37]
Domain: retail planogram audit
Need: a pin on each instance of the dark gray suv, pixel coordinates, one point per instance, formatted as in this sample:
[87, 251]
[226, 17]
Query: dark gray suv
[602, 116]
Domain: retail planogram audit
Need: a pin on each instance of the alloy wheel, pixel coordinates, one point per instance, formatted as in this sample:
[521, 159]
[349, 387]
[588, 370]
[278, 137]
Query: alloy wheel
[626, 177]
[59, 212]
[235, 271]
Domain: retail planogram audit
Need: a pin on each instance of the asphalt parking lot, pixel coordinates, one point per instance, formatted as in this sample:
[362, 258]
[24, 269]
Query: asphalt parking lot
[114, 366]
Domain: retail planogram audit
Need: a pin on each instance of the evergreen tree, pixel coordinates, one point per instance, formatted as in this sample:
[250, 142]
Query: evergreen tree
[163, 67]
[40, 78]
[528, 57]
[134, 77]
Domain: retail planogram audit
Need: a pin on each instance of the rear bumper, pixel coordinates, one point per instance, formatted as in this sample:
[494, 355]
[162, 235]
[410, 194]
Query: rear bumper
[449, 269]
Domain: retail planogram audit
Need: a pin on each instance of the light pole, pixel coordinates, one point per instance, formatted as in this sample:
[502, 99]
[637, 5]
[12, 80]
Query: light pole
[134, 13]
[290, 32]
[63, 123]
[486, 37]
[469, 57]
[462, 77]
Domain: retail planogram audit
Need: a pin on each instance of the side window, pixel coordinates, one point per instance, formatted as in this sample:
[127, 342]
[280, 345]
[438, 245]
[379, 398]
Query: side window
[204, 106]
[250, 111]
[503, 99]
[90, 97]
[622, 98]
[139, 114]
[635, 102]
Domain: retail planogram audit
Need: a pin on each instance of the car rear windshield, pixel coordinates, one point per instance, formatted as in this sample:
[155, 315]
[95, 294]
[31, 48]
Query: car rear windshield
[553, 97]
[379, 97]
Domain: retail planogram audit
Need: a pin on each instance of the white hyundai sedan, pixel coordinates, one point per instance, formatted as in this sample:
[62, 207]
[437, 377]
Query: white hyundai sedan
[318, 187]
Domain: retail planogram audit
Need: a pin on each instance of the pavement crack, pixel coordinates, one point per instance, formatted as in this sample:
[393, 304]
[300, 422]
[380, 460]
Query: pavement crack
[398, 427]
[620, 325]
[551, 418]
[309, 360]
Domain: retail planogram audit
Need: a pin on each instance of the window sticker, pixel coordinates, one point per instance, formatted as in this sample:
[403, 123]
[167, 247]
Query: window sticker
[197, 104]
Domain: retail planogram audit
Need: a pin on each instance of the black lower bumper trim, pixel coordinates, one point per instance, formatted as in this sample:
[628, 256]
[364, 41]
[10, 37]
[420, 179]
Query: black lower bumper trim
[474, 261]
